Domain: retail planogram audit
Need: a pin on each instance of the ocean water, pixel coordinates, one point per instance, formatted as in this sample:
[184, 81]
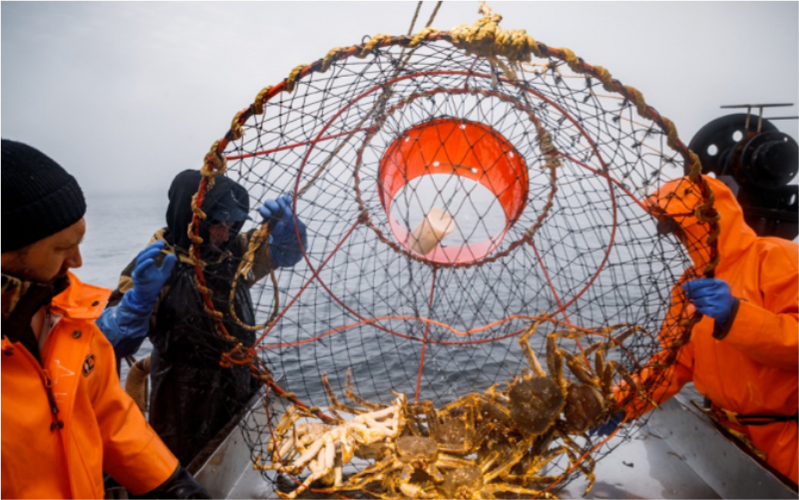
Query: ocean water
[118, 227]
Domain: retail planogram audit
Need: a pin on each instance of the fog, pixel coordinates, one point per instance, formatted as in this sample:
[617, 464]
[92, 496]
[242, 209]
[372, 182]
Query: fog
[125, 95]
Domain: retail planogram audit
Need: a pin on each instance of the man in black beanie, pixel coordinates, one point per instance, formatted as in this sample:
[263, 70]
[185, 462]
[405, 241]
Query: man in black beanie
[62, 404]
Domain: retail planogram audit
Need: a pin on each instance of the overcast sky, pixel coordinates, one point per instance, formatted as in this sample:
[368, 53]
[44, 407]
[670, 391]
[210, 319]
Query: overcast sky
[125, 95]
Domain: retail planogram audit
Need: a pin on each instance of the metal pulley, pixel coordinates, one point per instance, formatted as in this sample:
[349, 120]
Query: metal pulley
[716, 143]
[757, 161]
[768, 160]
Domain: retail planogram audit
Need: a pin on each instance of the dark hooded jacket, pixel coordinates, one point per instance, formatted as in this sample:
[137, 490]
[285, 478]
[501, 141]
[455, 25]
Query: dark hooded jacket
[192, 397]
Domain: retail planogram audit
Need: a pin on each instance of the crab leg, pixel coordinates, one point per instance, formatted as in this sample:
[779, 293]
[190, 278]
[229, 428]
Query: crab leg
[357, 399]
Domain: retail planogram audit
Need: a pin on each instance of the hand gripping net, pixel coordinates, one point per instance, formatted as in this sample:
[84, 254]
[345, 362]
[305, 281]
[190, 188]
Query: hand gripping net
[466, 194]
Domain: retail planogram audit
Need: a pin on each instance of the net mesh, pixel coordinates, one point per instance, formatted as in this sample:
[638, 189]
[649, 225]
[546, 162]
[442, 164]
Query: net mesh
[533, 179]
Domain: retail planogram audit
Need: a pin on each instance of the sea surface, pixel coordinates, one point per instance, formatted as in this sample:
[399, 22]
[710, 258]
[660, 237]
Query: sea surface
[118, 227]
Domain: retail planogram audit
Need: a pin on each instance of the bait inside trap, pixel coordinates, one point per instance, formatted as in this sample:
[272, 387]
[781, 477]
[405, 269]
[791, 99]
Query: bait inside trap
[451, 147]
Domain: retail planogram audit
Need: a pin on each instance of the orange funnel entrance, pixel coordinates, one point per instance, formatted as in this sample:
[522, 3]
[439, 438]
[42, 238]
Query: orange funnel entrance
[462, 148]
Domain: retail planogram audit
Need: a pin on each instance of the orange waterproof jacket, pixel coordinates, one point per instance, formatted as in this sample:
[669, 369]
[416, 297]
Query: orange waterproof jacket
[102, 428]
[752, 369]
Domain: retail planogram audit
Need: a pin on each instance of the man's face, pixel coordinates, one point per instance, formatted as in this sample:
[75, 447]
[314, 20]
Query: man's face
[48, 259]
[219, 235]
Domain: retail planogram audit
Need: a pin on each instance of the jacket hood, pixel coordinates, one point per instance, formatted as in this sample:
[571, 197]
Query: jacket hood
[218, 198]
[678, 200]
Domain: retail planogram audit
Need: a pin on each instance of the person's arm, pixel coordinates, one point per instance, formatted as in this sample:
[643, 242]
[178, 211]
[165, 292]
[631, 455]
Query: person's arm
[127, 323]
[133, 454]
[767, 334]
[661, 377]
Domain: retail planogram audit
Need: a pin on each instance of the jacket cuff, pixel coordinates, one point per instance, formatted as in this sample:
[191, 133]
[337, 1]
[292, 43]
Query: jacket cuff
[720, 332]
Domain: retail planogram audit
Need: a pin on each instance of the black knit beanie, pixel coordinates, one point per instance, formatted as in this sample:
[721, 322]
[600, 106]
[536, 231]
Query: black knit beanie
[39, 197]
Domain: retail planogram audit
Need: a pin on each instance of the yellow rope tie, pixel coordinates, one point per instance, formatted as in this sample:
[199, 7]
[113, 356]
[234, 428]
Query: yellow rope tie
[331, 56]
[605, 78]
[215, 164]
[235, 127]
[638, 99]
[245, 267]
[291, 81]
[371, 44]
[694, 164]
[261, 377]
[196, 208]
[574, 63]
[213, 313]
[260, 99]
[672, 139]
[422, 36]
[486, 39]
[193, 237]
[553, 160]
[203, 289]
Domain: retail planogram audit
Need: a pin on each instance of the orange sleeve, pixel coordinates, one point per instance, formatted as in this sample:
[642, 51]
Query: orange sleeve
[667, 383]
[133, 454]
[770, 334]
[656, 382]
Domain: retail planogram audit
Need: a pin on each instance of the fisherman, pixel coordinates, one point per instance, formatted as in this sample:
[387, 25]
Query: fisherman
[65, 418]
[743, 355]
[192, 396]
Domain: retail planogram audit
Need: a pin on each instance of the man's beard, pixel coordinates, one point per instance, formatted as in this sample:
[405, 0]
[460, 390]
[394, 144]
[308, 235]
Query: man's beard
[26, 273]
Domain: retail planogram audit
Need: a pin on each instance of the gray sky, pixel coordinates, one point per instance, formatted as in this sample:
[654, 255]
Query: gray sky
[125, 95]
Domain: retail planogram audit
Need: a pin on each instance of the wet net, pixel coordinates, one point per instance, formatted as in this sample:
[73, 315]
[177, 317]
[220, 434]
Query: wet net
[484, 264]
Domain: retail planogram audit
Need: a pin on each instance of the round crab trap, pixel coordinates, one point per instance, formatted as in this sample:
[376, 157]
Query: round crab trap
[487, 264]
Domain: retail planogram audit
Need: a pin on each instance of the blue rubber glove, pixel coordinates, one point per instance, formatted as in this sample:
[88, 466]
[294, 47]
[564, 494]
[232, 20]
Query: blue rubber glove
[149, 278]
[126, 324]
[711, 297]
[283, 245]
[608, 427]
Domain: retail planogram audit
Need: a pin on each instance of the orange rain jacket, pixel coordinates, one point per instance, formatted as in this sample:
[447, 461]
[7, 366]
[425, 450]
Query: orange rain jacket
[753, 368]
[103, 430]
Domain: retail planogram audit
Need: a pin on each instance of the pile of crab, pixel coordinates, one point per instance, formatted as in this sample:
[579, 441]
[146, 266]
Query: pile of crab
[483, 445]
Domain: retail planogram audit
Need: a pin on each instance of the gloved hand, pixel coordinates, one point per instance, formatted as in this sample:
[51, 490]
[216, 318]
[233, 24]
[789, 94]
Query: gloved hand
[711, 297]
[283, 245]
[180, 484]
[608, 427]
[149, 278]
[126, 324]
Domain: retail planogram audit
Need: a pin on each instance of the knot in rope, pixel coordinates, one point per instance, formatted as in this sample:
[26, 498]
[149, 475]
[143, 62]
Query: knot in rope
[486, 39]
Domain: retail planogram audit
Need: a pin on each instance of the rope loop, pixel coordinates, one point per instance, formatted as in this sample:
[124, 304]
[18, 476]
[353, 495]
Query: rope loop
[371, 44]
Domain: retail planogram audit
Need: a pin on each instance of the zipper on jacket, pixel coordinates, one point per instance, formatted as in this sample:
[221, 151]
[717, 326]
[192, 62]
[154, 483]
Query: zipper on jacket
[57, 423]
[45, 354]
